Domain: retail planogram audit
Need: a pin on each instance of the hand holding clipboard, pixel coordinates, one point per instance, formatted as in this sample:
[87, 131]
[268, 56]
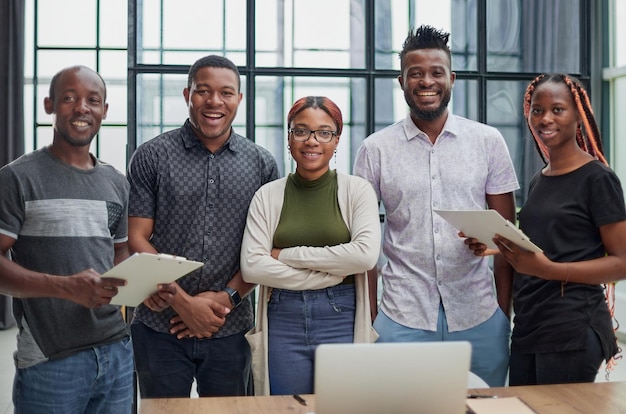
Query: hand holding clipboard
[144, 271]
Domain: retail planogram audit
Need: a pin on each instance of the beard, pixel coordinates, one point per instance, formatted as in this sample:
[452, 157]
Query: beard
[425, 115]
[77, 142]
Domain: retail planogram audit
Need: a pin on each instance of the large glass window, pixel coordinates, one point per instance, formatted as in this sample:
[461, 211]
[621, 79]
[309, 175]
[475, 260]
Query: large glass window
[93, 33]
[345, 49]
[534, 36]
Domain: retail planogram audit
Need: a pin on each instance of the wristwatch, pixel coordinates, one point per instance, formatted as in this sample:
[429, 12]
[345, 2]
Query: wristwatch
[235, 299]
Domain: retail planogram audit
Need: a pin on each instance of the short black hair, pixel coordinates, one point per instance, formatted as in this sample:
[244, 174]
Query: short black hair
[212, 61]
[425, 37]
[75, 68]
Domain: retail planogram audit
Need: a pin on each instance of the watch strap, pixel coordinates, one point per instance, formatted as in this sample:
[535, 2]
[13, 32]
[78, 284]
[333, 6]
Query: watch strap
[235, 298]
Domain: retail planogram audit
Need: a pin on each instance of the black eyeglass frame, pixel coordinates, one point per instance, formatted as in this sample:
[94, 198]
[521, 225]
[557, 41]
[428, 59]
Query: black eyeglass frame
[308, 135]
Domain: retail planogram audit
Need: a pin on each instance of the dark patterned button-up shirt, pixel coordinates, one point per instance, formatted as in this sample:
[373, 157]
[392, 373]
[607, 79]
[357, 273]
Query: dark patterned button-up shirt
[199, 202]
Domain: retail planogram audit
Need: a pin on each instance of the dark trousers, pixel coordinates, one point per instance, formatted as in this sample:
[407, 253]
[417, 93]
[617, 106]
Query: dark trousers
[557, 367]
[166, 366]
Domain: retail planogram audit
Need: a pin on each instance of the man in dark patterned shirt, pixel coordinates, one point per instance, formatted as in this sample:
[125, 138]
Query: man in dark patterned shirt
[190, 192]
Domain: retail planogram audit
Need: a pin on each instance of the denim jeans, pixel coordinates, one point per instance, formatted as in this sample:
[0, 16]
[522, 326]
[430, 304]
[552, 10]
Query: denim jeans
[298, 321]
[558, 367]
[167, 366]
[94, 381]
[490, 342]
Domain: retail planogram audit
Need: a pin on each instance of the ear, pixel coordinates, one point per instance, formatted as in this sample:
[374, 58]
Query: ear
[106, 109]
[401, 81]
[452, 77]
[186, 95]
[48, 105]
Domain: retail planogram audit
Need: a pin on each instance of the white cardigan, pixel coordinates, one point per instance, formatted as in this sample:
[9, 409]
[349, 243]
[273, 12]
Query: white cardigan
[303, 267]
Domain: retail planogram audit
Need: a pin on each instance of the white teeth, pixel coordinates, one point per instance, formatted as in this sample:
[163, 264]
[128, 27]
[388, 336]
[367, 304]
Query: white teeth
[213, 115]
[427, 93]
[80, 123]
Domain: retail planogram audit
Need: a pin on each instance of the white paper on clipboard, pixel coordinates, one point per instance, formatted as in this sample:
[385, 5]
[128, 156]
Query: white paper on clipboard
[144, 271]
[483, 225]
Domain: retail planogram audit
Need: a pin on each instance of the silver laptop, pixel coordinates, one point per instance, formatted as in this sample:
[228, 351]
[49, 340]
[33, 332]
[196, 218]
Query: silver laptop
[392, 378]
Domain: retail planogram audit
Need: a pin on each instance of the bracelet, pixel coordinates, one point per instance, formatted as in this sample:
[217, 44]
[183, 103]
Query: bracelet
[563, 283]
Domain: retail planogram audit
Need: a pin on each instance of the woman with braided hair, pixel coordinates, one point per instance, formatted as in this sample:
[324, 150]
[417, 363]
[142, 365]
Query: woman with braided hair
[575, 212]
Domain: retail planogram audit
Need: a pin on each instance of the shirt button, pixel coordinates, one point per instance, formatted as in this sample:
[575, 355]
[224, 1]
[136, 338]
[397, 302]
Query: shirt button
[211, 181]
[211, 156]
[440, 283]
[210, 205]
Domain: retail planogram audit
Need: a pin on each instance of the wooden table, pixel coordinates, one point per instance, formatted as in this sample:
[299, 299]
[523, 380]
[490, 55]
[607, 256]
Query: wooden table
[275, 404]
[596, 398]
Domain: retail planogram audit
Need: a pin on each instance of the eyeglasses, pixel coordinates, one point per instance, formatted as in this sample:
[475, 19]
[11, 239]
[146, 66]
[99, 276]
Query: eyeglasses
[322, 136]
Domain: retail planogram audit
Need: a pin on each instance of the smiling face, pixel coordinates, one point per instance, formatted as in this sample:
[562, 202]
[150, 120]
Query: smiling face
[313, 158]
[427, 83]
[553, 115]
[213, 99]
[78, 106]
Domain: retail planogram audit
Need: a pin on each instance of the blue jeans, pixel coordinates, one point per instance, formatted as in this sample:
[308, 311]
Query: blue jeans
[94, 381]
[167, 366]
[558, 367]
[490, 342]
[298, 321]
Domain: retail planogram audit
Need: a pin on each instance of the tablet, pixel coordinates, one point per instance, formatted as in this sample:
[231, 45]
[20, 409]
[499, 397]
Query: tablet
[483, 225]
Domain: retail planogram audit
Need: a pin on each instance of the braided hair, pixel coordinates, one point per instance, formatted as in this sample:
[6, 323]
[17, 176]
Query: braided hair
[587, 131]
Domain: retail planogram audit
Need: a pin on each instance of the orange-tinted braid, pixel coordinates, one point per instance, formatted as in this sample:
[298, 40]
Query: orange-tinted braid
[589, 139]
[592, 144]
[541, 148]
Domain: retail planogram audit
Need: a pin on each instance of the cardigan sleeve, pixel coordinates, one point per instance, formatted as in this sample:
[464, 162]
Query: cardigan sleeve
[258, 265]
[356, 256]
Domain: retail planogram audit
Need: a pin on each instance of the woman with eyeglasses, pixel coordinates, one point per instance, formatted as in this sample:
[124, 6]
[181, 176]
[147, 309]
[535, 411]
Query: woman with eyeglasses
[310, 238]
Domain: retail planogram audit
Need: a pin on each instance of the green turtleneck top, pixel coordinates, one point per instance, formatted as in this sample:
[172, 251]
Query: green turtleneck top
[310, 215]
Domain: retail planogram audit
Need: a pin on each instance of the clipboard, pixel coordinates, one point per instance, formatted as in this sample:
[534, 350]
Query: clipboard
[498, 405]
[484, 224]
[144, 271]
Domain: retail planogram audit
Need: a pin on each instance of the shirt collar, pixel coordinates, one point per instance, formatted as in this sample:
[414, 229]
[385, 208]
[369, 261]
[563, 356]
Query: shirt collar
[411, 131]
[191, 140]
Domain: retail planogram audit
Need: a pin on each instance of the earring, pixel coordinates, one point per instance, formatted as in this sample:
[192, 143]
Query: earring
[335, 159]
[289, 152]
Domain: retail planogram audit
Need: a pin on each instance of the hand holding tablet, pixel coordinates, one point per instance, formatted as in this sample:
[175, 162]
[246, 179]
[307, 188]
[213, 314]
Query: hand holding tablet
[483, 225]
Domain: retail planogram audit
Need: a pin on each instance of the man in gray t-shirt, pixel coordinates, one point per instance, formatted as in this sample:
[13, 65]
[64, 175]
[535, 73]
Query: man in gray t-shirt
[63, 218]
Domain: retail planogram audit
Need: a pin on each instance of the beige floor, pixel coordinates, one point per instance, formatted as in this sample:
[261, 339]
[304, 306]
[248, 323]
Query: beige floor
[7, 346]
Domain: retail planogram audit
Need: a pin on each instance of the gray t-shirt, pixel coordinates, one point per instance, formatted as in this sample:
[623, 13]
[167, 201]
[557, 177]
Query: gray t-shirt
[64, 220]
